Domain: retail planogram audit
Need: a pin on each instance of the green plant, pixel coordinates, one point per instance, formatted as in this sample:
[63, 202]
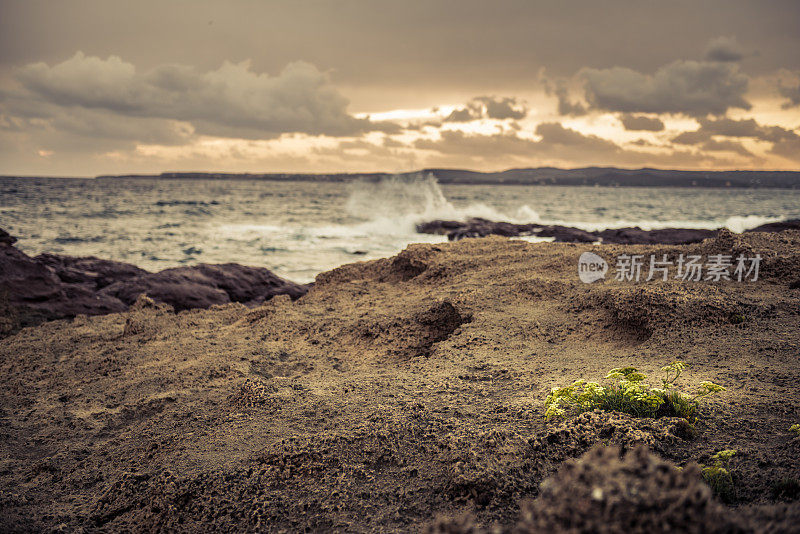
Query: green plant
[627, 392]
[795, 428]
[719, 478]
[736, 318]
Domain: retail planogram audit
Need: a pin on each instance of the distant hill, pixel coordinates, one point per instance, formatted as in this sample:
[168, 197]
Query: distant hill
[589, 176]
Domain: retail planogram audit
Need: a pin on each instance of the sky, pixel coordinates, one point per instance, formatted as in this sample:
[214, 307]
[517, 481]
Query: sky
[91, 87]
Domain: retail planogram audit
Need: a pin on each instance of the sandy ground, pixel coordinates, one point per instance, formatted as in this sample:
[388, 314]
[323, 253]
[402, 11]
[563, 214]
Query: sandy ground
[395, 391]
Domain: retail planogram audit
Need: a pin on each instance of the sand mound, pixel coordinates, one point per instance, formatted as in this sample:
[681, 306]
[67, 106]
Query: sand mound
[609, 491]
[145, 317]
[643, 310]
[637, 493]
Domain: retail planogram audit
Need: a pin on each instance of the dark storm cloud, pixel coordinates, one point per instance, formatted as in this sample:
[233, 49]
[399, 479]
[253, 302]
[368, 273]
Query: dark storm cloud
[724, 49]
[231, 101]
[641, 123]
[694, 88]
[489, 107]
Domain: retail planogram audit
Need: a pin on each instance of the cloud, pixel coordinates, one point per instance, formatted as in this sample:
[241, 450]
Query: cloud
[232, 101]
[556, 145]
[785, 143]
[456, 142]
[489, 107]
[727, 127]
[694, 88]
[554, 134]
[788, 148]
[792, 94]
[566, 106]
[641, 123]
[724, 49]
[503, 108]
[726, 146]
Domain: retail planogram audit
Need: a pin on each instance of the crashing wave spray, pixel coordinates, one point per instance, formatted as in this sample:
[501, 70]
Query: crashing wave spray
[398, 197]
[404, 200]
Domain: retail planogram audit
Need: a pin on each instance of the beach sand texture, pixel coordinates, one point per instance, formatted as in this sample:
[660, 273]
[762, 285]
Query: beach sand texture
[398, 390]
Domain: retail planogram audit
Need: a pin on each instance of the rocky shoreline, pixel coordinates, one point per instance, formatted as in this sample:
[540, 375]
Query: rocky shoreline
[478, 227]
[51, 286]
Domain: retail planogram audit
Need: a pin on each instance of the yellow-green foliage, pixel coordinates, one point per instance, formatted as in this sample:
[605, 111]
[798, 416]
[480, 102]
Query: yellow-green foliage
[626, 390]
[795, 428]
[719, 478]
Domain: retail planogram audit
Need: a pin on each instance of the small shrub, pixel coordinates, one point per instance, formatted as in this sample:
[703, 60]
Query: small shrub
[736, 318]
[719, 478]
[795, 428]
[627, 392]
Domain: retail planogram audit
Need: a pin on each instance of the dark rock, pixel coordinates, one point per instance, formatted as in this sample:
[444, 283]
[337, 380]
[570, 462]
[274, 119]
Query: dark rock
[566, 234]
[181, 290]
[665, 236]
[791, 224]
[35, 293]
[50, 286]
[205, 285]
[250, 285]
[439, 227]
[92, 271]
[6, 238]
[477, 227]
[24, 280]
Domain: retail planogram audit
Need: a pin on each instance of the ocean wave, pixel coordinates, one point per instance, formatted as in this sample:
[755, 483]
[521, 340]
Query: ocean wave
[397, 204]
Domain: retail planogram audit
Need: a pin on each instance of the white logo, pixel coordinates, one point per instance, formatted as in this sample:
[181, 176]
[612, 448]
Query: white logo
[591, 267]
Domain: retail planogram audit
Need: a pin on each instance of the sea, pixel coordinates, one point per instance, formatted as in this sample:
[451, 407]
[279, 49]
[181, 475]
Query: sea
[298, 229]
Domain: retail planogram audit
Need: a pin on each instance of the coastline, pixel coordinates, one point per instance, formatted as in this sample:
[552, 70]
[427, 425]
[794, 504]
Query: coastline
[585, 176]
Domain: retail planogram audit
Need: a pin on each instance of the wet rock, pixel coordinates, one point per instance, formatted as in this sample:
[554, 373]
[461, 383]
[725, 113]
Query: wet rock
[477, 227]
[665, 236]
[6, 238]
[203, 286]
[33, 293]
[791, 224]
[25, 280]
[566, 234]
[51, 286]
[92, 271]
